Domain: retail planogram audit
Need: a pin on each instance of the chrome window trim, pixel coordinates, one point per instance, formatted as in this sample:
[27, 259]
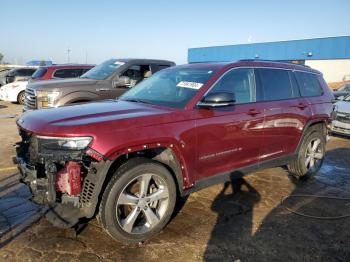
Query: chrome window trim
[257, 67]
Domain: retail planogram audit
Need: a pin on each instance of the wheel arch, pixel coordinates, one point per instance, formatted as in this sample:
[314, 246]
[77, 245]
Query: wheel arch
[163, 155]
[75, 97]
[312, 125]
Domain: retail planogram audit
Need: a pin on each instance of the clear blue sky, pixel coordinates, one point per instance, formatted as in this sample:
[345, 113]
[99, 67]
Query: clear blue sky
[34, 29]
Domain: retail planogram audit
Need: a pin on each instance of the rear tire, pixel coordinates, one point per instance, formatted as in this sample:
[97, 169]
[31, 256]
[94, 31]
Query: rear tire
[21, 98]
[138, 201]
[310, 155]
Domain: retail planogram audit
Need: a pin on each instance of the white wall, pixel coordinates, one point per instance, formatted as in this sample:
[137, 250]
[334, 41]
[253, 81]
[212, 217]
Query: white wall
[333, 70]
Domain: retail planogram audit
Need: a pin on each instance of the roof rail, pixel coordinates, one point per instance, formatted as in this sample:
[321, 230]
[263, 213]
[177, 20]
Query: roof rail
[272, 61]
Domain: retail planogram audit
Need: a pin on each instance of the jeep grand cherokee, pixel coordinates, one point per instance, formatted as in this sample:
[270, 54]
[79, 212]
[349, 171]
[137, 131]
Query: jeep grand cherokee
[184, 128]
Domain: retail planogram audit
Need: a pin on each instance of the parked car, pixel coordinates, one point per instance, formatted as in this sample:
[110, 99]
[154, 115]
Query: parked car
[105, 81]
[19, 74]
[60, 71]
[183, 129]
[343, 91]
[341, 123]
[14, 92]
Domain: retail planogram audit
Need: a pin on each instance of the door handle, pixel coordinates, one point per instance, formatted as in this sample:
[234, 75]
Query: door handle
[253, 112]
[301, 106]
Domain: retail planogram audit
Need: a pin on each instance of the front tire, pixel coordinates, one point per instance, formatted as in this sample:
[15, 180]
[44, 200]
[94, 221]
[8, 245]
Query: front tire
[310, 155]
[21, 98]
[138, 201]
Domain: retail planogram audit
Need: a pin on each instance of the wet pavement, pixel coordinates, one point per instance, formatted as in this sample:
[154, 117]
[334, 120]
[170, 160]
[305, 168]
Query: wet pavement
[242, 220]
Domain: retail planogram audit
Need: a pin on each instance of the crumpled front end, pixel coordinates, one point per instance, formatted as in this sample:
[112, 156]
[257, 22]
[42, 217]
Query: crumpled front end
[68, 180]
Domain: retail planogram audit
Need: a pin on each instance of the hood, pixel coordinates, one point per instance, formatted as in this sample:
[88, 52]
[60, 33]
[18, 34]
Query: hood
[14, 85]
[61, 83]
[93, 118]
[343, 106]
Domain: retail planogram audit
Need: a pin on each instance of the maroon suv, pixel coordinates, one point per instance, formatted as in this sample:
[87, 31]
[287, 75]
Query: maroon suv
[60, 71]
[186, 127]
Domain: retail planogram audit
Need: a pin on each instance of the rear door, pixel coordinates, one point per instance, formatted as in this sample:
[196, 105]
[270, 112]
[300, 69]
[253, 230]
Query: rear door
[285, 112]
[230, 137]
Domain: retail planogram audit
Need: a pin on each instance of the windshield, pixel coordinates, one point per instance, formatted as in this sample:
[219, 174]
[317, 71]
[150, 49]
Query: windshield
[104, 70]
[173, 87]
[345, 88]
[40, 72]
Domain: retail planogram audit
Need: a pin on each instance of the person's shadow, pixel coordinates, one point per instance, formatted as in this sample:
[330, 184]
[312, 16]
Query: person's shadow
[281, 235]
[233, 206]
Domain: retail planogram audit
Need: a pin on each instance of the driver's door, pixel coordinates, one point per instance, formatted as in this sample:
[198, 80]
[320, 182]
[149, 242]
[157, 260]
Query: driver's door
[134, 73]
[230, 137]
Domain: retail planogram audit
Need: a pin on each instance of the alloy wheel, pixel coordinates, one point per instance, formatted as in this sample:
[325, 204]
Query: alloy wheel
[314, 154]
[22, 98]
[142, 204]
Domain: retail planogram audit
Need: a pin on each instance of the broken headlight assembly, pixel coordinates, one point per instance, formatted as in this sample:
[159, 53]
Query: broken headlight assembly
[64, 143]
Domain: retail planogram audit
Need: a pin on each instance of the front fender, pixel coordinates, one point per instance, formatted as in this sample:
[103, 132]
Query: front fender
[77, 96]
[174, 153]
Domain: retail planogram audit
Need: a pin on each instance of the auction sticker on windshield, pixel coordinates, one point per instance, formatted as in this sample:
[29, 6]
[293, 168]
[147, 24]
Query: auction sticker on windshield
[193, 85]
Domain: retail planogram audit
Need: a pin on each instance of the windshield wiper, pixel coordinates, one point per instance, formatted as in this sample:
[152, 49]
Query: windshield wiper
[136, 100]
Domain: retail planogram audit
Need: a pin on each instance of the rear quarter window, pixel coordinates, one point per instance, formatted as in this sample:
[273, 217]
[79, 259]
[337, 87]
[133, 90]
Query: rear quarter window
[308, 84]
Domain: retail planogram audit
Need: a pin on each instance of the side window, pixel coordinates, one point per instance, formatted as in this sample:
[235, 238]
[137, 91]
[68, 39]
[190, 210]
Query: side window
[84, 70]
[137, 73]
[30, 72]
[241, 82]
[309, 84]
[67, 73]
[19, 72]
[294, 83]
[276, 84]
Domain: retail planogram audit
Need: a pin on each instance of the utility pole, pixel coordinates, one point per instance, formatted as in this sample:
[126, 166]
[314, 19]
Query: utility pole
[68, 51]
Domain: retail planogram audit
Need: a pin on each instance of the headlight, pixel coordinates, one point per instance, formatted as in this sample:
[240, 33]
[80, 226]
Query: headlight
[57, 143]
[47, 98]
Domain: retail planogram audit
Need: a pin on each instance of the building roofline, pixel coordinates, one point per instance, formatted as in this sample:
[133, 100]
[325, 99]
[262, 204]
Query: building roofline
[271, 42]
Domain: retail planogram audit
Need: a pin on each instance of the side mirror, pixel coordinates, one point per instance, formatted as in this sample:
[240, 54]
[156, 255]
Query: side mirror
[122, 81]
[219, 99]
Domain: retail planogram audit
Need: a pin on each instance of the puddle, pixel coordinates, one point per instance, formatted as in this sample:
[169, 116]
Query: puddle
[334, 175]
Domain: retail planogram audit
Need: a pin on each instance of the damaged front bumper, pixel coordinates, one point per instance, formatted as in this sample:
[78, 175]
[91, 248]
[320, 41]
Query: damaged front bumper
[68, 181]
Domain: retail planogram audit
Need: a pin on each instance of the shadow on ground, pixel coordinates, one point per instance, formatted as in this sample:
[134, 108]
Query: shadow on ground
[16, 211]
[239, 220]
[283, 235]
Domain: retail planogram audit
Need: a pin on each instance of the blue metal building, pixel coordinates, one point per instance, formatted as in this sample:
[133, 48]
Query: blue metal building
[39, 62]
[329, 48]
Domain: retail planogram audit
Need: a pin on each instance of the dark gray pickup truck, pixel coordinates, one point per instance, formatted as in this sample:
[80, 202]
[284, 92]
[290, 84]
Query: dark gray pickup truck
[105, 81]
